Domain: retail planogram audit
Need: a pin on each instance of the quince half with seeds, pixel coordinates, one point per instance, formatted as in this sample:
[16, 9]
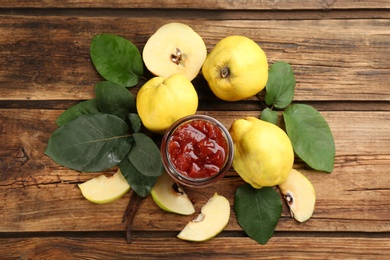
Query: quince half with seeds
[175, 48]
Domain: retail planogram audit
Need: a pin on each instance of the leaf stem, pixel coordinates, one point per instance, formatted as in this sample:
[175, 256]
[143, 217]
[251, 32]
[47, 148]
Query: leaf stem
[130, 212]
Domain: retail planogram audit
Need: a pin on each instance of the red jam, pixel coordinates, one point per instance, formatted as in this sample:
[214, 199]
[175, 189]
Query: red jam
[198, 149]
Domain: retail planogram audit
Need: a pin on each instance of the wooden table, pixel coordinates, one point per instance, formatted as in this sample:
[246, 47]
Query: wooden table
[340, 53]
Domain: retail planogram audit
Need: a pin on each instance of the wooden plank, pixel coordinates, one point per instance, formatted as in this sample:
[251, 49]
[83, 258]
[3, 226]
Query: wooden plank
[355, 197]
[338, 51]
[333, 60]
[217, 248]
[26, 137]
[343, 205]
[356, 134]
[219, 5]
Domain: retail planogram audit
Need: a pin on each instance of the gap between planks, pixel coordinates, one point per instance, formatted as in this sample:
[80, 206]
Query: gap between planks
[172, 234]
[203, 14]
[214, 105]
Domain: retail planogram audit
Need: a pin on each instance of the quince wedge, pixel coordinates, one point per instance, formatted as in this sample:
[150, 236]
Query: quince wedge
[170, 197]
[263, 154]
[211, 221]
[102, 189]
[300, 195]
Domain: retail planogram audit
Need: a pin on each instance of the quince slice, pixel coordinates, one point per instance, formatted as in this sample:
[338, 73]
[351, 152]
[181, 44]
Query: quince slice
[102, 189]
[299, 194]
[213, 218]
[170, 197]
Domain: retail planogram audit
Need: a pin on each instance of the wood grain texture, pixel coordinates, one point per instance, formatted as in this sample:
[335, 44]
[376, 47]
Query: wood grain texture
[218, 248]
[189, 4]
[355, 193]
[342, 206]
[339, 52]
[333, 60]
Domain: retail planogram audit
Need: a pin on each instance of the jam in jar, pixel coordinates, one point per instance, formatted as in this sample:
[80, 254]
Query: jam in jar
[197, 150]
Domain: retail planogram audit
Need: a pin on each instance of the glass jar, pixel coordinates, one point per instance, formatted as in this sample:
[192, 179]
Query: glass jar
[197, 150]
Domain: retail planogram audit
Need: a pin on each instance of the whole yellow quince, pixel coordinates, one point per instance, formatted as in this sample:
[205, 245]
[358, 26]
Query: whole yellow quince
[236, 68]
[263, 154]
[162, 101]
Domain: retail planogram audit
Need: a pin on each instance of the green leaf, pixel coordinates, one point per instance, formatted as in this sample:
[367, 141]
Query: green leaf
[310, 136]
[139, 182]
[280, 85]
[114, 99]
[145, 155]
[258, 211]
[135, 122]
[82, 108]
[269, 115]
[90, 143]
[116, 59]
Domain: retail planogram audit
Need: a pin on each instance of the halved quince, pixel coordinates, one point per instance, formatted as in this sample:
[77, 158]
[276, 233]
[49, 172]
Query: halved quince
[170, 197]
[102, 189]
[299, 194]
[210, 222]
[175, 48]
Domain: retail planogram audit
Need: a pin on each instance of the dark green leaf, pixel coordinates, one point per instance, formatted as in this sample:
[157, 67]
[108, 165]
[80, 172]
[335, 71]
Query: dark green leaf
[116, 59]
[145, 155]
[269, 115]
[135, 122]
[90, 143]
[258, 211]
[139, 182]
[114, 99]
[280, 85]
[82, 108]
[310, 136]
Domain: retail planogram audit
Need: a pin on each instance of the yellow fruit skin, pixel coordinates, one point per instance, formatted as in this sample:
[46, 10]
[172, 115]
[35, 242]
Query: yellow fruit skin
[263, 154]
[247, 64]
[162, 101]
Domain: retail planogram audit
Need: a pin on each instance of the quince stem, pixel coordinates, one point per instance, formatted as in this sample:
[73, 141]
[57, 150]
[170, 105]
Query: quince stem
[225, 72]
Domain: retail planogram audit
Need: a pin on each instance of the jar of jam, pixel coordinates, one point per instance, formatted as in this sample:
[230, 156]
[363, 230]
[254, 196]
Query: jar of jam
[197, 150]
